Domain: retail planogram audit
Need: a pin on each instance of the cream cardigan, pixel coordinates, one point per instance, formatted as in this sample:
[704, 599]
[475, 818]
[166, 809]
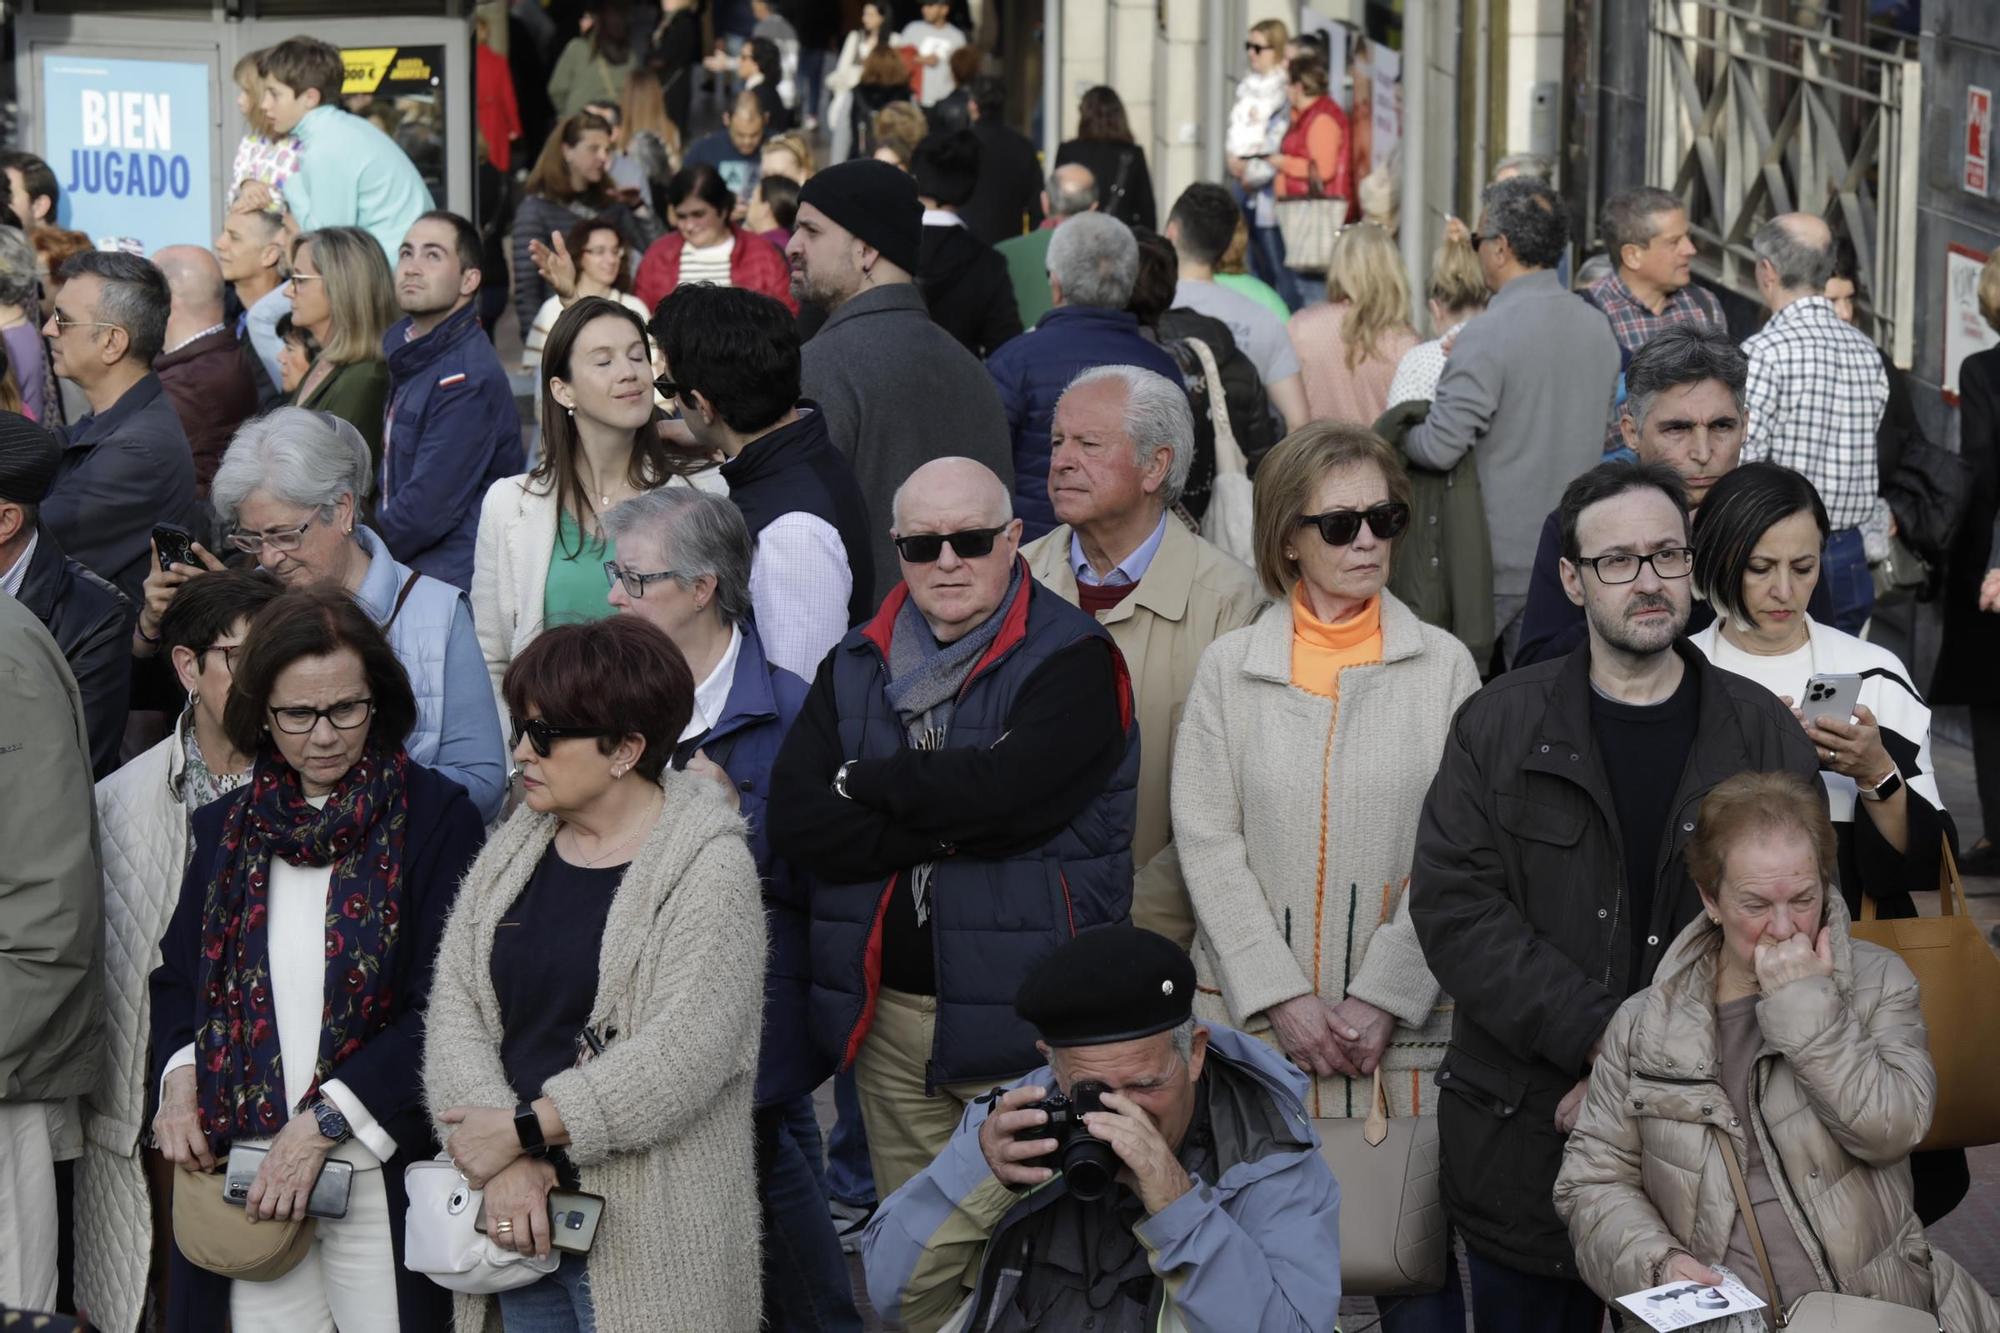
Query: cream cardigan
[660, 1123]
[1254, 756]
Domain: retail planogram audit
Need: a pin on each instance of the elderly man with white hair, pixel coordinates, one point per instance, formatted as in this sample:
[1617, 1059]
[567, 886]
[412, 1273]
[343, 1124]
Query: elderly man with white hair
[960, 785]
[1120, 449]
[1093, 264]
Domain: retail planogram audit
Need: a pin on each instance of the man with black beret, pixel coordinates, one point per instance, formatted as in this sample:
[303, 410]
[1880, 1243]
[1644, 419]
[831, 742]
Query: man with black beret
[1223, 1217]
[89, 619]
[897, 389]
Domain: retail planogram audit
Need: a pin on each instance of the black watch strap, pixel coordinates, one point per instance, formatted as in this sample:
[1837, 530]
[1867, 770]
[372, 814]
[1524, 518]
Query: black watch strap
[528, 1126]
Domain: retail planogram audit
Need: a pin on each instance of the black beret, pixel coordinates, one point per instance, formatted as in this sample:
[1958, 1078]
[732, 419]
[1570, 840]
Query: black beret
[29, 457]
[1110, 984]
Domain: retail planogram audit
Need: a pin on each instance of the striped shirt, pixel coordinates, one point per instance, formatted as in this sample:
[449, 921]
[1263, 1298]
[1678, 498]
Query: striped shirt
[708, 263]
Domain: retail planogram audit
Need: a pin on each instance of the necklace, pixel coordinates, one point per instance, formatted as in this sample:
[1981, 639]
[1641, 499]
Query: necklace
[645, 827]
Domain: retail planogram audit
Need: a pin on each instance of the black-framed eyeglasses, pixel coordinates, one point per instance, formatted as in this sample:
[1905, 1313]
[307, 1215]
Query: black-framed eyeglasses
[1339, 527]
[1675, 562]
[635, 582]
[285, 539]
[543, 735]
[1478, 239]
[924, 547]
[228, 651]
[345, 716]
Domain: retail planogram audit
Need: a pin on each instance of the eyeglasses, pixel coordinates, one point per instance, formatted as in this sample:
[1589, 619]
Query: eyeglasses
[285, 539]
[1255, 47]
[635, 582]
[65, 325]
[345, 716]
[1478, 239]
[228, 651]
[925, 547]
[1675, 562]
[298, 277]
[1339, 527]
[669, 390]
[543, 736]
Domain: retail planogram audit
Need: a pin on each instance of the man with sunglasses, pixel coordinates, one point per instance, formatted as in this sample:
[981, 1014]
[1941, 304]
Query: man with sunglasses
[126, 463]
[961, 786]
[1550, 879]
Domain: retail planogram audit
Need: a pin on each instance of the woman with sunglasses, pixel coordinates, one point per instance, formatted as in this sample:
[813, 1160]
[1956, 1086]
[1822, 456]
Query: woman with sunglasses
[594, 1023]
[289, 493]
[541, 551]
[288, 1005]
[1257, 124]
[1308, 742]
[143, 817]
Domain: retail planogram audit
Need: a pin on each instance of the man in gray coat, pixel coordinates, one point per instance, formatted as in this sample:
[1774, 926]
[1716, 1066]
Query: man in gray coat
[896, 389]
[1530, 384]
[51, 945]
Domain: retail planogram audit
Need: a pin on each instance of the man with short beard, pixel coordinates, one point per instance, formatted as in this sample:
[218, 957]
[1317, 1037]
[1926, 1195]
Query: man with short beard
[1549, 873]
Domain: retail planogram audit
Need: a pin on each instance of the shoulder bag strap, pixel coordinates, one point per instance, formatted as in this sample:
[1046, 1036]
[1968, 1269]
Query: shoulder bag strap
[1749, 1213]
[409, 585]
[1228, 454]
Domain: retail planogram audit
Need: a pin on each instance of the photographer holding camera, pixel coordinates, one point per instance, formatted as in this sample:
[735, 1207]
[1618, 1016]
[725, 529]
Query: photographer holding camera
[1156, 1173]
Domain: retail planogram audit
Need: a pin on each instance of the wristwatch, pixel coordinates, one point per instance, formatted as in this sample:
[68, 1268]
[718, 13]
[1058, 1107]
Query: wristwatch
[840, 780]
[528, 1128]
[333, 1126]
[1882, 790]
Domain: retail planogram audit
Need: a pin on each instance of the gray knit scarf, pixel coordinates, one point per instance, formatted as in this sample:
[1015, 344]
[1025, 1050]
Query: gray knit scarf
[925, 678]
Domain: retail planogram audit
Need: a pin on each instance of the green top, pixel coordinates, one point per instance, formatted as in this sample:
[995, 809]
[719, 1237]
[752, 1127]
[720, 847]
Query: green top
[582, 76]
[1258, 290]
[357, 393]
[1028, 267]
[576, 590]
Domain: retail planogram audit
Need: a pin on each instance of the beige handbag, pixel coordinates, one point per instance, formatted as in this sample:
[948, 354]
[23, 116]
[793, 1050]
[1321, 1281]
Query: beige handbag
[1230, 522]
[218, 1235]
[1817, 1311]
[1392, 1223]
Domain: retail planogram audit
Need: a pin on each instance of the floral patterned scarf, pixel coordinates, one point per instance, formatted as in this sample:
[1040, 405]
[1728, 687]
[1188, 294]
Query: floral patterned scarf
[359, 832]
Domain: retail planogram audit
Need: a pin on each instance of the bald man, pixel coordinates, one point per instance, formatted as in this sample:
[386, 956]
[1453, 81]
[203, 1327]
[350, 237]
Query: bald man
[210, 377]
[1072, 190]
[961, 786]
[1815, 396]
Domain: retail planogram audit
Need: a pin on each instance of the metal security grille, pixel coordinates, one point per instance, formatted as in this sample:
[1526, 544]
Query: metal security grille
[1758, 108]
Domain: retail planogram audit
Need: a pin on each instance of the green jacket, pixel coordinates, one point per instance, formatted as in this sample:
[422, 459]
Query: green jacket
[1027, 259]
[51, 895]
[357, 393]
[1444, 563]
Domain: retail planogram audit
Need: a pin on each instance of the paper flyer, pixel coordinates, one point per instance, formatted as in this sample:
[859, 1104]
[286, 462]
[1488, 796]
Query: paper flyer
[1685, 1304]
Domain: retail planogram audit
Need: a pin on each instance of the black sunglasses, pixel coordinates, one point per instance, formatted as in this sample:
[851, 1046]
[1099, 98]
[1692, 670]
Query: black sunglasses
[925, 547]
[543, 736]
[1339, 527]
[1255, 46]
[669, 390]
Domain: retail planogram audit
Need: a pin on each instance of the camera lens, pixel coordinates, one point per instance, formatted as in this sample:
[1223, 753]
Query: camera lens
[574, 1221]
[1089, 1167]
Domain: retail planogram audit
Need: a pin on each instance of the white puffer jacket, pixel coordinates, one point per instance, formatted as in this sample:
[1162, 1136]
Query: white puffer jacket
[145, 840]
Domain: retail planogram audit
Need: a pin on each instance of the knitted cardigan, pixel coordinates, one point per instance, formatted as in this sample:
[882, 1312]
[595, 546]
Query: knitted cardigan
[660, 1123]
[1296, 822]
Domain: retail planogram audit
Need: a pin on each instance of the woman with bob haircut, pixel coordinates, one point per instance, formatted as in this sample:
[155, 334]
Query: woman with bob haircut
[705, 246]
[1104, 143]
[1299, 884]
[542, 547]
[1350, 346]
[288, 1006]
[599, 993]
[1771, 1036]
[343, 295]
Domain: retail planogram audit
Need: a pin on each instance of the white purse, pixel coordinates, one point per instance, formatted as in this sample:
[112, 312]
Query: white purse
[440, 1241]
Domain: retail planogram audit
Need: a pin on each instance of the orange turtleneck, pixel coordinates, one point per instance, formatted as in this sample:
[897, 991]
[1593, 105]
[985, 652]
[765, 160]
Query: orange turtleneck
[1320, 650]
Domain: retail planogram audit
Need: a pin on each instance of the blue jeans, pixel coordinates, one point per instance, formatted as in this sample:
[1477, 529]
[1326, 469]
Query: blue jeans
[559, 1303]
[1506, 1300]
[1849, 585]
[1267, 250]
[850, 1177]
[806, 1288]
[1440, 1311]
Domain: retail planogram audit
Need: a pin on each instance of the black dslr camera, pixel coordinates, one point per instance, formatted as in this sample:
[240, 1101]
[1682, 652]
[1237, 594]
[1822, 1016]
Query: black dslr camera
[1087, 1163]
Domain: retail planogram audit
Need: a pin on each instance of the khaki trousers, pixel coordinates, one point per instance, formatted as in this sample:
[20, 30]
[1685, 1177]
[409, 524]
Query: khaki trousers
[906, 1129]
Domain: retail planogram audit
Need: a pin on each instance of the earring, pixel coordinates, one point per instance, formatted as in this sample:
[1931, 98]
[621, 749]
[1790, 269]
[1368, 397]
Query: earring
[617, 771]
[1291, 555]
[194, 696]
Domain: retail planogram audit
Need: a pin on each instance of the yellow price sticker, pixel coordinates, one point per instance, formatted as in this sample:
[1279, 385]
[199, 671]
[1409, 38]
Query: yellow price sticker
[366, 67]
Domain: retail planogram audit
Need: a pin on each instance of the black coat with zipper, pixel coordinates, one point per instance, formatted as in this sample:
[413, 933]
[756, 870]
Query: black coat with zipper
[1518, 895]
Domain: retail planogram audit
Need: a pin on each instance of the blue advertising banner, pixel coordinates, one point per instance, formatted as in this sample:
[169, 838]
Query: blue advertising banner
[129, 142]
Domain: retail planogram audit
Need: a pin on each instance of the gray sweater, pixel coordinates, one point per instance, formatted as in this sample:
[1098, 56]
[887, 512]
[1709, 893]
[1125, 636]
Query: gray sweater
[1529, 384]
[899, 391]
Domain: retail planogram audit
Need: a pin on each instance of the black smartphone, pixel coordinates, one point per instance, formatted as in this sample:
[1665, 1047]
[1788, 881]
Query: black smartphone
[573, 1219]
[175, 546]
[329, 1192]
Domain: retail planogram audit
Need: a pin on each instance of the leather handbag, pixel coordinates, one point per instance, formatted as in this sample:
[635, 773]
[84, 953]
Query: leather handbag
[1309, 224]
[1959, 981]
[441, 1242]
[1392, 1224]
[219, 1236]
[1816, 1311]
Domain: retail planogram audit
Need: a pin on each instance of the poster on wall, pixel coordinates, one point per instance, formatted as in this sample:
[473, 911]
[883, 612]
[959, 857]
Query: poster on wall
[129, 141]
[401, 89]
[1978, 139]
[1966, 331]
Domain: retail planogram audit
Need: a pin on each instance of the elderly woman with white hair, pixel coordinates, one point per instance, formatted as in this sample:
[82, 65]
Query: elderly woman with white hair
[1093, 263]
[290, 492]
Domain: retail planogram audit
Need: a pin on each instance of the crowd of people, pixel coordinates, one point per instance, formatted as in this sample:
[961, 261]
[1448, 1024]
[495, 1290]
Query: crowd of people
[1128, 707]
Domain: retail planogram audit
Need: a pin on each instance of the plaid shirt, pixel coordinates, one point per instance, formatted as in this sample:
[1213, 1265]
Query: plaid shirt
[1633, 324]
[1816, 395]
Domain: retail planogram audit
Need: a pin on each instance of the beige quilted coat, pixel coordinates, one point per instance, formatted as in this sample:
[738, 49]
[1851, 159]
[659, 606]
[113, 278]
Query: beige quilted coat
[145, 838]
[1847, 1090]
[1299, 896]
[660, 1123]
